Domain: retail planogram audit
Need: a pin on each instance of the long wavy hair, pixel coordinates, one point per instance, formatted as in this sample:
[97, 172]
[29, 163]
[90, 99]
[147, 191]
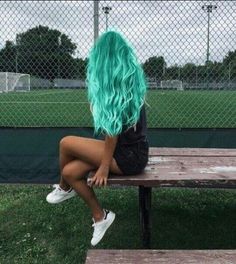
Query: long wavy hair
[116, 84]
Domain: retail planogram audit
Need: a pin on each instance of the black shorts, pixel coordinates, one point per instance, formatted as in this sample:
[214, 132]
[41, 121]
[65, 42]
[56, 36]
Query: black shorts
[132, 159]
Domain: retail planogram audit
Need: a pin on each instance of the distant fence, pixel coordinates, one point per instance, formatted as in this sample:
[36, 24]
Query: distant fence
[191, 42]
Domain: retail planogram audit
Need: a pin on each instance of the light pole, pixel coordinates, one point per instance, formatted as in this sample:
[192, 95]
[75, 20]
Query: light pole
[208, 8]
[106, 10]
[16, 59]
[229, 73]
[59, 54]
[16, 67]
[179, 73]
[96, 18]
[196, 76]
[163, 69]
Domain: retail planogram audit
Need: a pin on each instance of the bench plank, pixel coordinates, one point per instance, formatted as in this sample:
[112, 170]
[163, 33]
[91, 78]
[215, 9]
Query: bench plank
[155, 151]
[98, 256]
[183, 170]
[218, 172]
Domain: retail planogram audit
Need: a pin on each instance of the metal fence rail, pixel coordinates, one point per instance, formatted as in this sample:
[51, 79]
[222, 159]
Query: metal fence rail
[186, 48]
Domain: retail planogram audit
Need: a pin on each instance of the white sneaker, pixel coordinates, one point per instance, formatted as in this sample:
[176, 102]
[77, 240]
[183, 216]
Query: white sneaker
[58, 194]
[101, 227]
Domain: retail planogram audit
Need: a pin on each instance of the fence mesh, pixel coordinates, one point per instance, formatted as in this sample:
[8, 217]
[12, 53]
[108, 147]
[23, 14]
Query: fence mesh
[186, 48]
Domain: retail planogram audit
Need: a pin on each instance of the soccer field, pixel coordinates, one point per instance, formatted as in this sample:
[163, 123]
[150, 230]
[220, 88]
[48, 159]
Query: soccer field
[70, 108]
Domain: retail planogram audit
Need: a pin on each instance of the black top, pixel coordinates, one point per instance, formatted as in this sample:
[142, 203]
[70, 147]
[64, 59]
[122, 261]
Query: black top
[136, 133]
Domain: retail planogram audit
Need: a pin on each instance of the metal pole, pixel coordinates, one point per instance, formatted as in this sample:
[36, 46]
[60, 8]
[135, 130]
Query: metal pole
[209, 10]
[59, 55]
[207, 62]
[208, 33]
[106, 10]
[106, 21]
[229, 74]
[145, 203]
[96, 19]
[16, 57]
[196, 76]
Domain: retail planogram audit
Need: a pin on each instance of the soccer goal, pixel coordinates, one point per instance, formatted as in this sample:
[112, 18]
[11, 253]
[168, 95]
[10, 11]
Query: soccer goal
[173, 84]
[12, 81]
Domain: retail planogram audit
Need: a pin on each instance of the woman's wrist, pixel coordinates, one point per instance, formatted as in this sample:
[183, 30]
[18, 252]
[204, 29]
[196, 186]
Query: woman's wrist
[105, 165]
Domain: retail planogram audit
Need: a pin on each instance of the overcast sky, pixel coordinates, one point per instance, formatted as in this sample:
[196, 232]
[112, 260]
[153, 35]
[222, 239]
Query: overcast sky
[176, 30]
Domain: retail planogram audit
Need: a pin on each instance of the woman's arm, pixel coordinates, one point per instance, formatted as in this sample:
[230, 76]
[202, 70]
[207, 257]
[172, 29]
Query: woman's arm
[102, 173]
[109, 147]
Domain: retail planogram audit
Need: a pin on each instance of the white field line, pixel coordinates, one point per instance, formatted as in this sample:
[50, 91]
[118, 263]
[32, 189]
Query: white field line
[39, 93]
[36, 93]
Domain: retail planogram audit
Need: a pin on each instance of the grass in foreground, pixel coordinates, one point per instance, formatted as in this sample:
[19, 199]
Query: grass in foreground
[33, 231]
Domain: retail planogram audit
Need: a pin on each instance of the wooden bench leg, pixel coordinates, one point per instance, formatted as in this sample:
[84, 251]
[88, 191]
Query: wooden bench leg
[145, 194]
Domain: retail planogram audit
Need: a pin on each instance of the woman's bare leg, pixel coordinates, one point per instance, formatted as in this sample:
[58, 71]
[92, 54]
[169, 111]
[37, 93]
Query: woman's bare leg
[63, 160]
[82, 148]
[75, 174]
[78, 156]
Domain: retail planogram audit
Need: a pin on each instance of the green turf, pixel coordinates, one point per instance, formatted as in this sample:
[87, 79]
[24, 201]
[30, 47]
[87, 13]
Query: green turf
[33, 231]
[168, 109]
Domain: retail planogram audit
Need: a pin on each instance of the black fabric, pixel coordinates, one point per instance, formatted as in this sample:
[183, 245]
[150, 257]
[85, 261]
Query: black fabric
[106, 213]
[135, 134]
[133, 158]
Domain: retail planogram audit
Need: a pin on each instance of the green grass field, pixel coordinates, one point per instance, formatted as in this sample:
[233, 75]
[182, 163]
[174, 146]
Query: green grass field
[70, 108]
[33, 231]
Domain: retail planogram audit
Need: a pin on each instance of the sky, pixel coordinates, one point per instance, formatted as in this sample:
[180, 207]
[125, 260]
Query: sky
[176, 30]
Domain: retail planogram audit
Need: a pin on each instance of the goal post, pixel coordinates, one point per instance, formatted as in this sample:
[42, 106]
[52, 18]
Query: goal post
[174, 84]
[12, 81]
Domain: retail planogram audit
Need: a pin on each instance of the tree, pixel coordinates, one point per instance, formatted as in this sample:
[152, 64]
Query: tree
[44, 52]
[154, 67]
[229, 63]
[7, 57]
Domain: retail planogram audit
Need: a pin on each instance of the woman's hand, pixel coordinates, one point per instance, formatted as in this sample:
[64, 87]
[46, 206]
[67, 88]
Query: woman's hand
[100, 177]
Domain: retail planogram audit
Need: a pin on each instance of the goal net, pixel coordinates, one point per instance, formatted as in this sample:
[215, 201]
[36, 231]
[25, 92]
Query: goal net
[11, 81]
[174, 84]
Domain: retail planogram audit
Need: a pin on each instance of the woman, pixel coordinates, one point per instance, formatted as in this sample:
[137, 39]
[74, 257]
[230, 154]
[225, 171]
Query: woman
[116, 92]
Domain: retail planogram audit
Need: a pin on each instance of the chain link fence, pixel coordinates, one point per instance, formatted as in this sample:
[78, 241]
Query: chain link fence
[187, 50]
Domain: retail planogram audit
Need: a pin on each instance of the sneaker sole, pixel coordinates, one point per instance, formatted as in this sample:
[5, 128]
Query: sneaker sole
[112, 220]
[56, 202]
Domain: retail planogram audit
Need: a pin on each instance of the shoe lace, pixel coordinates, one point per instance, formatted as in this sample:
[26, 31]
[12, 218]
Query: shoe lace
[97, 224]
[57, 188]
[97, 229]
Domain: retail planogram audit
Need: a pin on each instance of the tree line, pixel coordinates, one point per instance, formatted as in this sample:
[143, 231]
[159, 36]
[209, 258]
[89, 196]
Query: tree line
[49, 54]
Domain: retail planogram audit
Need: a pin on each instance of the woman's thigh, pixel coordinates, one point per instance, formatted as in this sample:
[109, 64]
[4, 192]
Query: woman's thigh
[87, 149]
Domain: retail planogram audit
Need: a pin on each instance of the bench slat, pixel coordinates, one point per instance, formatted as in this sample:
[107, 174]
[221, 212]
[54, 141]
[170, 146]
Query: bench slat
[172, 167]
[154, 151]
[98, 256]
[182, 171]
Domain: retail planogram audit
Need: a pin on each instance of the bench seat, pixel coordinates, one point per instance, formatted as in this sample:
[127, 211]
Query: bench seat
[145, 256]
[184, 167]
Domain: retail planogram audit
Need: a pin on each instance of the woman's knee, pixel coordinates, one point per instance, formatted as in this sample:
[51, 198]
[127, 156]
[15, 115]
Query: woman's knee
[66, 142]
[69, 174]
[75, 170]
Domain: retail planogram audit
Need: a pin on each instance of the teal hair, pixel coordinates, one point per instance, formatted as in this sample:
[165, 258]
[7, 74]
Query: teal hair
[116, 84]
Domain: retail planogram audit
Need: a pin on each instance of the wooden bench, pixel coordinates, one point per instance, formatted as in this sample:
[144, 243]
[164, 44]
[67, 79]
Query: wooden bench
[178, 167]
[145, 256]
